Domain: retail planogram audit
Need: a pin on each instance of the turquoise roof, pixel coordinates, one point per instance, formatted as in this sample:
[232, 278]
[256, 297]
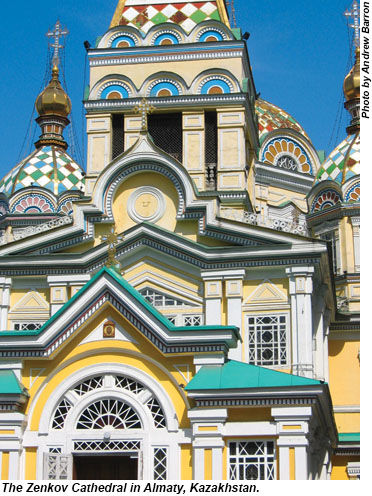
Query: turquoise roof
[239, 375]
[349, 437]
[49, 167]
[9, 384]
[141, 299]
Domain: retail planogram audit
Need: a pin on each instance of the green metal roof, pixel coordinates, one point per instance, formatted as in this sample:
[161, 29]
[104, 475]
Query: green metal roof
[118, 277]
[349, 437]
[239, 375]
[9, 384]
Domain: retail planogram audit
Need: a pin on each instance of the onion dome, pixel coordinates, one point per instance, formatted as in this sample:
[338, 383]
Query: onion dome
[271, 117]
[49, 167]
[53, 100]
[343, 163]
[352, 80]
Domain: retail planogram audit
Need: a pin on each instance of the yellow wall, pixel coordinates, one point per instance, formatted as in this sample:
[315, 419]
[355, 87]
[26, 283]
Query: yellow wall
[5, 465]
[186, 462]
[339, 471]
[344, 372]
[30, 463]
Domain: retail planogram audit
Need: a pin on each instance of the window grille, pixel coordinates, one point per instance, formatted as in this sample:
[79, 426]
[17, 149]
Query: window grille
[57, 466]
[160, 300]
[117, 135]
[211, 131]
[252, 460]
[61, 413]
[55, 449]
[128, 384]
[89, 385]
[109, 413]
[186, 319]
[287, 162]
[160, 463]
[27, 326]
[267, 340]
[157, 413]
[192, 320]
[166, 131]
[121, 446]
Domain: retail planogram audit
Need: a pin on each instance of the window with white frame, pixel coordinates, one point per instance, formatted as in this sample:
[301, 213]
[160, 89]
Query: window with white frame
[268, 340]
[252, 460]
[27, 326]
[187, 320]
[158, 299]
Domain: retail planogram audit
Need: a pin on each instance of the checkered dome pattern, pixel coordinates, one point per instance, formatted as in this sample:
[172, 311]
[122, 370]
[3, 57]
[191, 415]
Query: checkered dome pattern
[335, 169]
[50, 167]
[185, 14]
[271, 117]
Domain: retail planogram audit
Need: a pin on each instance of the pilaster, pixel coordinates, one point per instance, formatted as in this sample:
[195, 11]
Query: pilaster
[193, 124]
[5, 285]
[99, 147]
[301, 289]
[59, 285]
[231, 149]
[207, 431]
[132, 129]
[293, 429]
[12, 425]
[355, 222]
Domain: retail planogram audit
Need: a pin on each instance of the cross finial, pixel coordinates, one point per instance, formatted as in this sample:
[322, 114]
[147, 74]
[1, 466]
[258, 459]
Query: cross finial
[57, 33]
[112, 239]
[354, 16]
[144, 108]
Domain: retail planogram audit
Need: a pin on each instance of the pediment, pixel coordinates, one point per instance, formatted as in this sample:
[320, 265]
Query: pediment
[265, 294]
[120, 334]
[31, 303]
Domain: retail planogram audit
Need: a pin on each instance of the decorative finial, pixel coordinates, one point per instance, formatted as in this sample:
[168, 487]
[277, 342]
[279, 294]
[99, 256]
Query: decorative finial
[144, 108]
[57, 34]
[354, 15]
[112, 240]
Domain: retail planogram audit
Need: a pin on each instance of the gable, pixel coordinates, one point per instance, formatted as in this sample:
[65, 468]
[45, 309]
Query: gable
[108, 288]
[266, 293]
[31, 305]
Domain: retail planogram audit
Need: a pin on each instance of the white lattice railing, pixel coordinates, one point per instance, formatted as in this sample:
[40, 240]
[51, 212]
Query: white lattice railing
[31, 230]
[294, 226]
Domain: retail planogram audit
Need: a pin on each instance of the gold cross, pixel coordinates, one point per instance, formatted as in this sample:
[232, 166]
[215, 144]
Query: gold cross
[58, 33]
[112, 239]
[144, 108]
[355, 17]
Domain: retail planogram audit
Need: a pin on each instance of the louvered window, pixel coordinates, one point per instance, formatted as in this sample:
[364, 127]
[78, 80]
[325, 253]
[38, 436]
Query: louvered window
[166, 131]
[117, 135]
[211, 149]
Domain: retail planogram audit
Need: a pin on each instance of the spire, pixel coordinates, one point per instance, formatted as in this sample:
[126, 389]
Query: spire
[143, 14]
[352, 80]
[53, 104]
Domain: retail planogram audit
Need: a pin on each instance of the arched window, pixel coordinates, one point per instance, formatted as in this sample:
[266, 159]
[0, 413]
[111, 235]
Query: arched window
[109, 413]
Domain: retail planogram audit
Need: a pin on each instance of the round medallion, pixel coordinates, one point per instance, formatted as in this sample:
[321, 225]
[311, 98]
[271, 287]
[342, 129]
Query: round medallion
[146, 204]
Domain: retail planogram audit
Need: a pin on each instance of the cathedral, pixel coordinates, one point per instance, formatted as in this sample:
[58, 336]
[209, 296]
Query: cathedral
[185, 305]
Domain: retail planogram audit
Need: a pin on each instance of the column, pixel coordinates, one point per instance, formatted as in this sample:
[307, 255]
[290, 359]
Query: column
[193, 147]
[293, 429]
[5, 285]
[12, 425]
[208, 444]
[301, 289]
[231, 149]
[212, 297]
[234, 296]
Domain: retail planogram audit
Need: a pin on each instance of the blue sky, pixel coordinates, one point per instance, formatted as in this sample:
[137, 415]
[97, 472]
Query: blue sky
[299, 54]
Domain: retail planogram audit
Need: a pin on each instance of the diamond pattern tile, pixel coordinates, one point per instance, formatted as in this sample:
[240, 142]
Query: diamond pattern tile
[271, 117]
[50, 168]
[334, 167]
[186, 14]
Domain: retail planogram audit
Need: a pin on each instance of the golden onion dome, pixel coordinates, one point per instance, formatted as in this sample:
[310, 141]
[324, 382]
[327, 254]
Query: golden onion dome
[352, 80]
[53, 100]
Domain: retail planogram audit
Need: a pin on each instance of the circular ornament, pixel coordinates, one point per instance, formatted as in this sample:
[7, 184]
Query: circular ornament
[146, 204]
